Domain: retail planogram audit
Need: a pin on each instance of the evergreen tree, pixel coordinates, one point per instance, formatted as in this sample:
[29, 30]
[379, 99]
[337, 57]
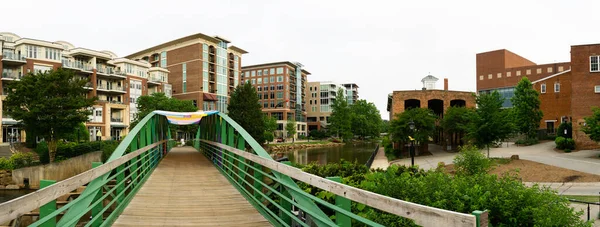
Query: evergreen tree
[246, 111]
[526, 108]
[340, 122]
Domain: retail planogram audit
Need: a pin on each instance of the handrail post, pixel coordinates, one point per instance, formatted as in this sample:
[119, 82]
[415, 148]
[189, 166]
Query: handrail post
[481, 218]
[96, 210]
[49, 207]
[344, 203]
[284, 203]
[241, 144]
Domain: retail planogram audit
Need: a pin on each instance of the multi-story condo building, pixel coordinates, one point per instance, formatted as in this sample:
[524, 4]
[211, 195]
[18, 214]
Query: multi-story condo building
[321, 96]
[281, 92]
[117, 82]
[567, 90]
[202, 68]
[351, 92]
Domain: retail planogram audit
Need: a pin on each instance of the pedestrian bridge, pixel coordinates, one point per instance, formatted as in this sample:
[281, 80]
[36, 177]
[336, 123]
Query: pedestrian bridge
[225, 179]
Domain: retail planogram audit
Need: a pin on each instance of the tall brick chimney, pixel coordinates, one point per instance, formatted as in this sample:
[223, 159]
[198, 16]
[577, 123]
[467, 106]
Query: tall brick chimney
[445, 84]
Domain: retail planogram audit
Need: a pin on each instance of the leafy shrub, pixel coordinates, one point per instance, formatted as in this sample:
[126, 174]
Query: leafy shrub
[470, 161]
[42, 150]
[66, 150]
[318, 134]
[22, 159]
[527, 141]
[564, 143]
[567, 150]
[561, 130]
[550, 137]
[6, 164]
[269, 137]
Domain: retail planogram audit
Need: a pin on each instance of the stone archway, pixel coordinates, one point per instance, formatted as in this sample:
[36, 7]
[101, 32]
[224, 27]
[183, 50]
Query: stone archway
[458, 103]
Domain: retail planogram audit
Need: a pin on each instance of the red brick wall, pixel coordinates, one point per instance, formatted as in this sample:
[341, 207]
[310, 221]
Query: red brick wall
[513, 79]
[555, 105]
[583, 95]
[190, 55]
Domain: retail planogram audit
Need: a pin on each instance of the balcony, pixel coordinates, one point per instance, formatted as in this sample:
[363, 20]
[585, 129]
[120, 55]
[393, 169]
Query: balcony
[76, 65]
[154, 80]
[88, 85]
[11, 58]
[116, 119]
[102, 69]
[105, 87]
[12, 76]
[121, 73]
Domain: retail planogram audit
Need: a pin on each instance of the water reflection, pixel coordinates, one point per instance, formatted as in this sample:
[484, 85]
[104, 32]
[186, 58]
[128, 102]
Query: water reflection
[6, 195]
[359, 152]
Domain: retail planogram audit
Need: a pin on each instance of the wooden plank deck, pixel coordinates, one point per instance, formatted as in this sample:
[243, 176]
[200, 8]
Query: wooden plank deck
[187, 190]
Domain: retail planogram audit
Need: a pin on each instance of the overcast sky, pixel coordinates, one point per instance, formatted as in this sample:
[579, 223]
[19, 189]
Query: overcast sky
[380, 45]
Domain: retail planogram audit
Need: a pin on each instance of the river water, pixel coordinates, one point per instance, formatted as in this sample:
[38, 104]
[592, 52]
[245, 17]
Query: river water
[6, 195]
[359, 152]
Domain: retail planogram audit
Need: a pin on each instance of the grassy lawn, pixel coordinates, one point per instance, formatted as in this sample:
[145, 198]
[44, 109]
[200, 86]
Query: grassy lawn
[585, 198]
[290, 143]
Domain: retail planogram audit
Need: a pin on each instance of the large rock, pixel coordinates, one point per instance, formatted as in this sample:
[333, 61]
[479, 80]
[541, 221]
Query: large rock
[12, 187]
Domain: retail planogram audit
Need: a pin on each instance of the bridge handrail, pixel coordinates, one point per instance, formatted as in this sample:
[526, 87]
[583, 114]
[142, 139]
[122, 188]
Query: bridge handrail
[421, 214]
[19, 206]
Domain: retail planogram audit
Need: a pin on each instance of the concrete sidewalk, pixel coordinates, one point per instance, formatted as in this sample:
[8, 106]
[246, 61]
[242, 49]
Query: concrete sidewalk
[588, 188]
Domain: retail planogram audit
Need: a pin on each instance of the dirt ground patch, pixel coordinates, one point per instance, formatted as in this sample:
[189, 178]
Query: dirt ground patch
[537, 172]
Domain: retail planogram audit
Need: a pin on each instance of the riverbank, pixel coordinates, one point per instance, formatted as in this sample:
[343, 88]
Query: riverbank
[302, 145]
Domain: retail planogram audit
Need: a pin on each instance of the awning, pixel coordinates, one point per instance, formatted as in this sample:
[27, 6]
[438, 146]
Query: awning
[209, 97]
[184, 118]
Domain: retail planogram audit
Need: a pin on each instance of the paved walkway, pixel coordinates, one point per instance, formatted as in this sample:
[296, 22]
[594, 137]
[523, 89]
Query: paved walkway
[187, 190]
[380, 160]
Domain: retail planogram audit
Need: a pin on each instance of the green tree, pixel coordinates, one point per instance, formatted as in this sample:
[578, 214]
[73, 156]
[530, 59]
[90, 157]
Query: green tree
[561, 130]
[290, 127]
[246, 111]
[50, 104]
[424, 121]
[340, 122]
[490, 123]
[159, 101]
[592, 125]
[526, 108]
[385, 126]
[366, 119]
[270, 127]
[79, 134]
[455, 123]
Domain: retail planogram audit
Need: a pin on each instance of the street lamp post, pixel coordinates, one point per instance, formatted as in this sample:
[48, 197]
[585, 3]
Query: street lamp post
[411, 125]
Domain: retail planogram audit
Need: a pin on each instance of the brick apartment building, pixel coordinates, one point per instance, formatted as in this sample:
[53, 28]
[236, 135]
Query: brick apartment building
[567, 90]
[117, 82]
[204, 69]
[320, 98]
[429, 97]
[281, 91]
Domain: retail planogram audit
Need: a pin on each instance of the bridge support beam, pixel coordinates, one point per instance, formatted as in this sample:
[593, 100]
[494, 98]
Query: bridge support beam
[344, 203]
[47, 208]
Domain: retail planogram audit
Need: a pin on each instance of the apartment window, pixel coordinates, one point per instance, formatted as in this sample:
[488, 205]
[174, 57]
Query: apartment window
[549, 69]
[528, 72]
[595, 64]
[266, 88]
[543, 88]
[259, 88]
[314, 109]
[560, 68]
[508, 74]
[41, 68]
[195, 103]
[259, 81]
[272, 95]
[266, 105]
[253, 73]
[265, 72]
[253, 81]
[52, 54]
[280, 70]
[259, 95]
[538, 71]
[258, 73]
[556, 87]
[597, 89]
[272, 71]
[163, 59]
[184, 72]
[279, 78]
[480, 77]
[272, 79]
[279, 95]
[31, 51]
[98, 113]
[489, 76]
[280, 87]
[272, 87]
[518, 73]
[272, 103]
[499, 75]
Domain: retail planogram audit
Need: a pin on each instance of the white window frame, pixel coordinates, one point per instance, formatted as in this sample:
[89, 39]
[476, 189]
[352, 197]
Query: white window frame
[557, 87]
[597, 89]
[543, 88]
[597, 64]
